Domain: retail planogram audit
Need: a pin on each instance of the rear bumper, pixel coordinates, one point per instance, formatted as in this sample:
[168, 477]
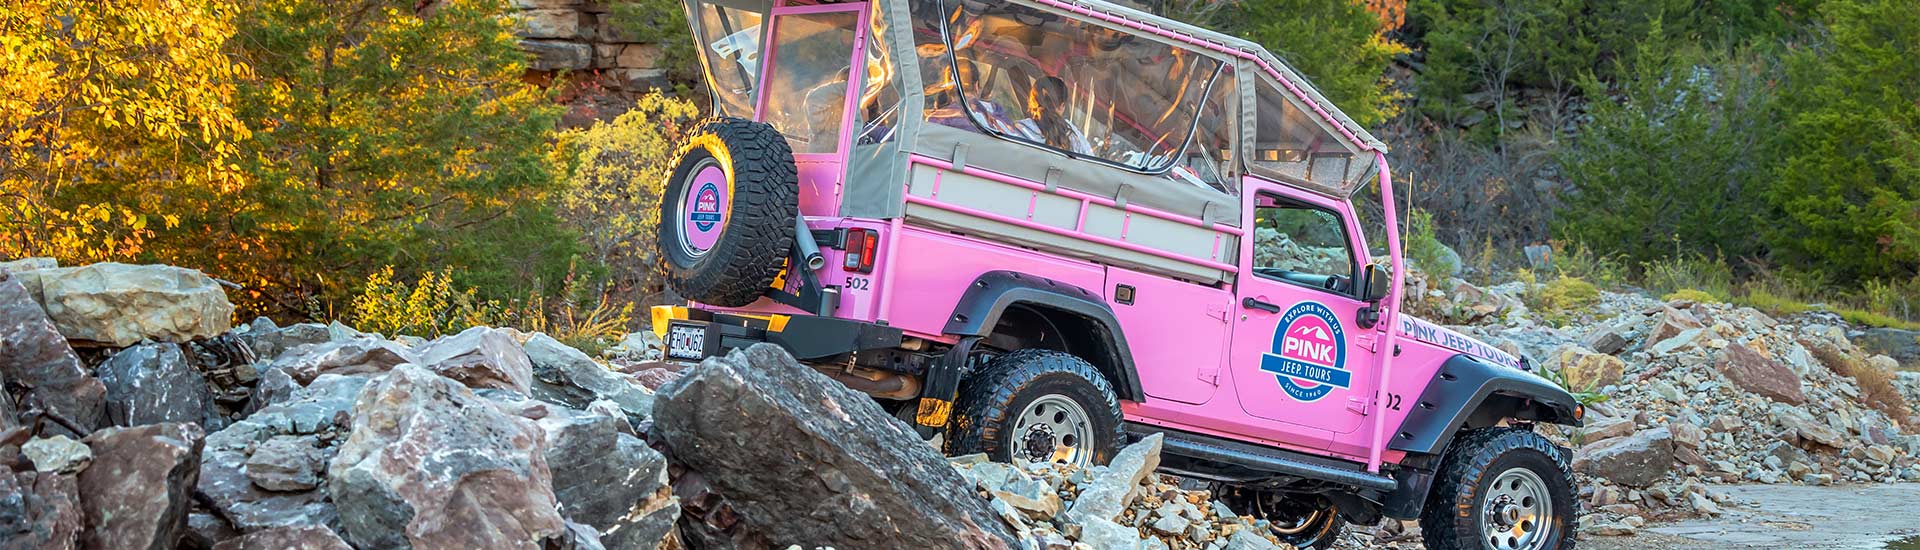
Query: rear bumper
[807, 338]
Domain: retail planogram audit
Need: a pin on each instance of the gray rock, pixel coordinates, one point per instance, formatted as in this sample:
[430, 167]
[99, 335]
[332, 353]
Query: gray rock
[151, 384]
[791, 442]
[481, 357]
[430, 464]
[1245, 539]
[557, 55]
[608, 479]
[324, 408]
[120, 304]
[1605, 339]
[1638, 460]
[310, 537]
[1105, 534]
[36, 356]
[139, 488]
[354, 356]
[570, 377]
[1807, 428]
[39, 510]
[275, 387]
[57, 454]
[29, 264]
[1113, 489]
[205, 530]
[287, 463]
[1901, 345]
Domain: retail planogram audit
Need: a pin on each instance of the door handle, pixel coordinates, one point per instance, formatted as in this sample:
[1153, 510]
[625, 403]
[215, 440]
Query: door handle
[1255, 303]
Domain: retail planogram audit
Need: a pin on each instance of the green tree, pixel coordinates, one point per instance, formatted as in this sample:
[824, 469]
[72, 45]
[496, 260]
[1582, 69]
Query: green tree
[385, 135]
[1675, 162]
[1338, 44]
[1849, 187]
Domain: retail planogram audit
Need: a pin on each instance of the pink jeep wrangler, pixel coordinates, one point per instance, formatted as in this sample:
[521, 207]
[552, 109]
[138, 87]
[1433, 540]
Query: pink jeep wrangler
[1046, 227]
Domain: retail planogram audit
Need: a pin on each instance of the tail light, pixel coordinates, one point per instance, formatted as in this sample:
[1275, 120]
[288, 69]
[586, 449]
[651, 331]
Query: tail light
[861, 246]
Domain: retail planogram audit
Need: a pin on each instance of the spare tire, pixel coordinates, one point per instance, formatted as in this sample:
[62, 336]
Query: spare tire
[726, 216]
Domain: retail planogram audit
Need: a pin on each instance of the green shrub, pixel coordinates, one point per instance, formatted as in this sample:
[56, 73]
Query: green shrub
[1848, 185]
[1578, 261]
[1687, 272]
[1424, 250]
[1668, 167]
[1336, 43]
[613, 176]
[1693, 295]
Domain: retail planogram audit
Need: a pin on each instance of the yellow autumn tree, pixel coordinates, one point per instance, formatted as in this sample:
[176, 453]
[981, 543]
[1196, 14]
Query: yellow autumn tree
[115, 119]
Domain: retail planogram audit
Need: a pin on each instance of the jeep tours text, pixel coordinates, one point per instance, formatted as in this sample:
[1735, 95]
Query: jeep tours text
[1044, 228]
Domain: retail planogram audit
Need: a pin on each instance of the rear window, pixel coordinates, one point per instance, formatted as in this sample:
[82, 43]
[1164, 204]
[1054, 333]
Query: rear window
[1292, 145]
[730, 52]
[1076, 87]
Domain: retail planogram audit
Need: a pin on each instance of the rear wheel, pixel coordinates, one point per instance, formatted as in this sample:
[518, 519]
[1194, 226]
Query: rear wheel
[726, 218]
[1501, 489]
[1300, 520]
[1037, 406]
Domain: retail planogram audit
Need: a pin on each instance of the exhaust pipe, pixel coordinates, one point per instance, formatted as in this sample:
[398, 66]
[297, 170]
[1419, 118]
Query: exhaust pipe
[809, 250]
[877, 383]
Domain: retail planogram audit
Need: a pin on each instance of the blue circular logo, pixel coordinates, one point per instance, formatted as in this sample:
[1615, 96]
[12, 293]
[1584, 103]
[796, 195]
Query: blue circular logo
[1308, 356]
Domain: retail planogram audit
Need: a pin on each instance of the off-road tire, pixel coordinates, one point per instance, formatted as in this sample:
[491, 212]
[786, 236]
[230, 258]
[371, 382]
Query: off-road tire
[757, 231]
[990, 398]
[1452, 517]
[1321, 537]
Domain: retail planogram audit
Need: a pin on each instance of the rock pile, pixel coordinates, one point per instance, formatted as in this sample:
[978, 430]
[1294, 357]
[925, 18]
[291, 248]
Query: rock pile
[1688, 394]
[186, 434]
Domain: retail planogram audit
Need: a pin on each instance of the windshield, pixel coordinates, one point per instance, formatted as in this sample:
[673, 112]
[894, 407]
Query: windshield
[1072, 86]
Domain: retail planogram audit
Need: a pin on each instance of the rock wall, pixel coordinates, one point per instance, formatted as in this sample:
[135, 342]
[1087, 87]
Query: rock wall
[581, 36]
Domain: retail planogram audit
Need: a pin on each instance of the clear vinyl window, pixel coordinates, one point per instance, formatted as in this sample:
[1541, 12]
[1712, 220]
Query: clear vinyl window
[1290, 144]
[807, 84]
[730, 52]
[1070, 85]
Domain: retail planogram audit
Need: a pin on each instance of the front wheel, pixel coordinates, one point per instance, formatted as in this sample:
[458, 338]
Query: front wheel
[1501, 489]
[1037, 406]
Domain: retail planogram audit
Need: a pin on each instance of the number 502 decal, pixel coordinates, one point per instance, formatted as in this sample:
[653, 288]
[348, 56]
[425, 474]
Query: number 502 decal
[857, 283]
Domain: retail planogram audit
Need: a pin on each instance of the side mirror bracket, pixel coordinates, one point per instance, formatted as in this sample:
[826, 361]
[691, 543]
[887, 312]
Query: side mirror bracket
[1375, 283]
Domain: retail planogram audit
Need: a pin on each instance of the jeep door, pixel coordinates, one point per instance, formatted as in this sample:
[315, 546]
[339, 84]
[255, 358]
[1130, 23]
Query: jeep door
[1298, 355]
[812, 62]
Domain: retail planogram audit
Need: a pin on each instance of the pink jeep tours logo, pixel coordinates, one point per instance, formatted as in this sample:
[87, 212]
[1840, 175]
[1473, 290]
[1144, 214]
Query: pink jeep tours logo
[706, 207]
[1309, 353]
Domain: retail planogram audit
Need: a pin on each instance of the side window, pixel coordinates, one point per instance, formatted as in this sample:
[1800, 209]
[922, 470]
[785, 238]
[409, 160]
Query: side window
[1301, 244]
[807, 85]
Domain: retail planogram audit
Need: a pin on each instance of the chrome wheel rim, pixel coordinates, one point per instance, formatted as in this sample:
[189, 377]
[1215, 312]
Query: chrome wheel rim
[1516, 512]
[1053, 428]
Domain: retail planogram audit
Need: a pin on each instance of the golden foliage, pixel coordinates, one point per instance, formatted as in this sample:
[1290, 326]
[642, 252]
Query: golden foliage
[99, 96]
[429, 308]
[615, 173]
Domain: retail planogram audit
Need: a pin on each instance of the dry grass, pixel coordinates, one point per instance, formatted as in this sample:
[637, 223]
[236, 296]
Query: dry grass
[1876, 383]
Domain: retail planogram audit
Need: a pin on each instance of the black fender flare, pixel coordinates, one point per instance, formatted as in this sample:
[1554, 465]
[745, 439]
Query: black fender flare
[1466, 393]
[1469, 392]
[993, 292]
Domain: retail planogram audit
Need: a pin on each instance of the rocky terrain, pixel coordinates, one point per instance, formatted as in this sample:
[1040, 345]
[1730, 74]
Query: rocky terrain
[1686, 395]
[135, 416]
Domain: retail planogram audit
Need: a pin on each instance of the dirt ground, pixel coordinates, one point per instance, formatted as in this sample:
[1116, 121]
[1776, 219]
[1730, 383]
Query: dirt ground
[1777, 517]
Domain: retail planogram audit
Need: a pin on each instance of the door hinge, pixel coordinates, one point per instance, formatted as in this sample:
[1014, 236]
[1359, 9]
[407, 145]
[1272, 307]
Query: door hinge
[1210, 376]
[1217, 311]
[1365, 340]
[1359, 405]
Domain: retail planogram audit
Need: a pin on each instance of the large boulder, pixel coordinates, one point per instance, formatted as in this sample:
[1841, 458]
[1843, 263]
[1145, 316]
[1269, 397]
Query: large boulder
[151, 384]
[39, 510]
[804, 460]
[310, 537]
[430, 464]
[1588, 370]
[611, 480]
[140, 487]
[1757, 374]
[570, 377]
[1637, 460]
[481, 357]
[120, 304]
[1116, 487]
[34, 354]
[316, 416]
[354, 356]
